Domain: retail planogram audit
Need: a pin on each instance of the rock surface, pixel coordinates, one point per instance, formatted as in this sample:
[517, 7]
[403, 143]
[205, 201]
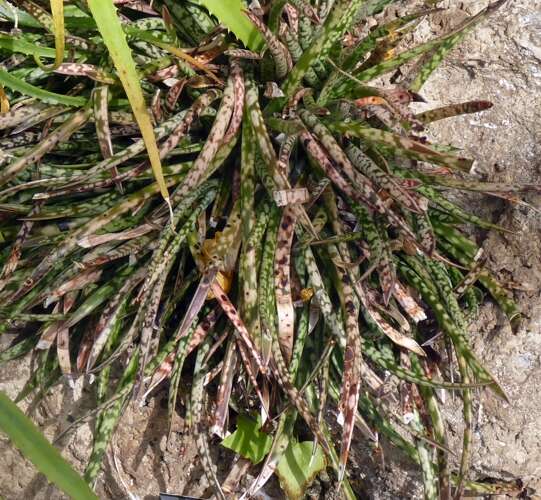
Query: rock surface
[501, 62]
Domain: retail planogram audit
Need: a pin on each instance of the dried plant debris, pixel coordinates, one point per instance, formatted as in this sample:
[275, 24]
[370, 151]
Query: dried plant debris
[215, 197]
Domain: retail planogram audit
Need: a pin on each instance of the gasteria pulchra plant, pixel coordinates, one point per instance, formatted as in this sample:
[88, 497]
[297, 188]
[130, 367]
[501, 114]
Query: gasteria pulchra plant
[216, 200]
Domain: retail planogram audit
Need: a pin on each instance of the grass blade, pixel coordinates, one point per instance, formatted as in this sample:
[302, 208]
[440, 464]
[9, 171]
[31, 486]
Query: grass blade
[104, 13]
[29, 440]
[25, 88]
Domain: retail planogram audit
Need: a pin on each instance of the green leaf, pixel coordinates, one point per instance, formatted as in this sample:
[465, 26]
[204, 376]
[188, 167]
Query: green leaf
[13, 13]
[108, 418]
[402, 146]
[337, 22]
[18, 85]
[230, 14]
[29, 440]
[104, 13]
[298, 469]
[57, 9]
[248, 440]
[15, 44]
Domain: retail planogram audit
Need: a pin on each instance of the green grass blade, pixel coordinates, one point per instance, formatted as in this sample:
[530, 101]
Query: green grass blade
[15, 44]
[57, 10]
[104, 13]
[14, 83]
[29, 440]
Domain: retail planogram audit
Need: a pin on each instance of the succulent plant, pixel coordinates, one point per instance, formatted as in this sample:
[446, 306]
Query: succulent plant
[271, 236]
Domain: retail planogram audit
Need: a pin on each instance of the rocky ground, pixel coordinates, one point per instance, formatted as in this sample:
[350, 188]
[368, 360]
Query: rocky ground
[500, 62]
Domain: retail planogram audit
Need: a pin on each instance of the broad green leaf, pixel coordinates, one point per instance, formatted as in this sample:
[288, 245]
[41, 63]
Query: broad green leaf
[33, 445]
[248, 441]
[104, 13]
[230, 14]
[18, 85]
[298, 469]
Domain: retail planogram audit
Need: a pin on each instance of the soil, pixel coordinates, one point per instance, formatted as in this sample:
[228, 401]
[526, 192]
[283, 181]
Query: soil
[500, 61]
